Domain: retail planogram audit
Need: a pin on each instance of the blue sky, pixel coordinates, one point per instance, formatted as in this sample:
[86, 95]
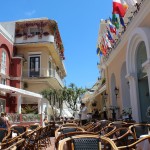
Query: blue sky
[78, 22]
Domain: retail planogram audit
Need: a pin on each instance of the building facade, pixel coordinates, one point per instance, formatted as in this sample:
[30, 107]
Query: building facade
[37, 60]
[127, 64]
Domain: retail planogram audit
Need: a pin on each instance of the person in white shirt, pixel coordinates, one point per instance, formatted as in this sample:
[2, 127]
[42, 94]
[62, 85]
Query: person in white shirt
[83, 112]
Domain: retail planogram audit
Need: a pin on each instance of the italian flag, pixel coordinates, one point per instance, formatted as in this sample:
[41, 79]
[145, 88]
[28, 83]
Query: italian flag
[118, 8]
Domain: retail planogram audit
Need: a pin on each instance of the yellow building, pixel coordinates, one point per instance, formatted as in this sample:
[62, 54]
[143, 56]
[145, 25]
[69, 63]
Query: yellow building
[37, 42]
[127, 64]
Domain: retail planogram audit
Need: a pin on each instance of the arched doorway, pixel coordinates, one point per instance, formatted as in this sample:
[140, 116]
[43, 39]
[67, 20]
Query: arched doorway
[113, 85]
[142, 79]
[138, 71]
[125, 88]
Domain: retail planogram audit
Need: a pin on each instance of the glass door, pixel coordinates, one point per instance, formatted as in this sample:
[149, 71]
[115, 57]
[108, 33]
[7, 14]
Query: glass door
[34, 66]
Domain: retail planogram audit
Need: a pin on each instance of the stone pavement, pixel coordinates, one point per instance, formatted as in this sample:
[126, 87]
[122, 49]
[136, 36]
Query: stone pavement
[51, 147]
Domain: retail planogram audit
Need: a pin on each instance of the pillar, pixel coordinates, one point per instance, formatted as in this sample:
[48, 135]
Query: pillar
[19, 104]
[132, 78]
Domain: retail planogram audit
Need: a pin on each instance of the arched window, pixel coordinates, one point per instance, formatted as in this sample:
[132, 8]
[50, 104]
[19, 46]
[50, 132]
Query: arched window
[3, 62]
[141, 58]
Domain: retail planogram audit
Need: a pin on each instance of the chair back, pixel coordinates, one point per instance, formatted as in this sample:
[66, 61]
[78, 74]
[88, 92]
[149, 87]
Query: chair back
[104, 123]
[87, 143]
[3, 133]
[20, 129]
[33, 126]
[139, 129]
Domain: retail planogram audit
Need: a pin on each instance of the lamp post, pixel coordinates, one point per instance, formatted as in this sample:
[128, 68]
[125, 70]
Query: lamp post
[105, 95]
[116, 92]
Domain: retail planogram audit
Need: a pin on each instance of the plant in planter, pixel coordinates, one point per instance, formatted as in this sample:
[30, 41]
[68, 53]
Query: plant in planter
[103, 81]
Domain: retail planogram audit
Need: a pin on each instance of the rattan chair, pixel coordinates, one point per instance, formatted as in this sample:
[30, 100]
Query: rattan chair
[63, 130]
[122, 136]
[22, 130]
[33, 126]
[88, 126]
[32, 139]
[104, 123]
[63, 136]
[139, 129]
[3, 134]
[87, 142]
[117, 124]
[18, 145]
[106, 131]
[134, 145]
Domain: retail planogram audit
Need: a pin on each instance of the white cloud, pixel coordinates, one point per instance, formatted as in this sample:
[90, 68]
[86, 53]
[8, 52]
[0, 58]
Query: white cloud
[30, 13]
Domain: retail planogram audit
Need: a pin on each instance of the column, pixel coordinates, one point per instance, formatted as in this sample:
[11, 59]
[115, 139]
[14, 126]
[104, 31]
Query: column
[19, 104]
[134, 96]
[146, 67]
[39, 106]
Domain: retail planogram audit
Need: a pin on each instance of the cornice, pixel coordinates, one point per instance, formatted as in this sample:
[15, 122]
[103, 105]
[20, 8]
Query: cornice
[6, 35]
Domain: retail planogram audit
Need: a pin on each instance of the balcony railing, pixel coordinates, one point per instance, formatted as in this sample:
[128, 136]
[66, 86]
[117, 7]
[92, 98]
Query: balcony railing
[34, 39]
[20, 118]
[41, 73]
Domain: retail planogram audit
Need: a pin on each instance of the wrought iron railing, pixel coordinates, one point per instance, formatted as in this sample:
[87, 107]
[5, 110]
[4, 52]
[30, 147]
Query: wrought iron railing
[22, 118]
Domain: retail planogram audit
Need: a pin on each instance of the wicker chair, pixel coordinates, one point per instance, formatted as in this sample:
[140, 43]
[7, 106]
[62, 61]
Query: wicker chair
[69, 124]
[104, 123]
[88, 142]
[18, 145]
[63, 130]
[134, 145]
[139, 129]
[3, 134]
[88, 126]
[11, 141]
[95, 128]
[117, 124]
[33, 126]
[21, 130]
[106, 131]
[63, 136]
[122, 136]
[32, 139]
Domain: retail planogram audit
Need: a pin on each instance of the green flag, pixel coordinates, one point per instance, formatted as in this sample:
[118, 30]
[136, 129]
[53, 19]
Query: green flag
[115, 21]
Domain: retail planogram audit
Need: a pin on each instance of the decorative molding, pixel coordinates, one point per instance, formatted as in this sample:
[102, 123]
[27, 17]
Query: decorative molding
[6, 35]
[131, 76]
[146, 66]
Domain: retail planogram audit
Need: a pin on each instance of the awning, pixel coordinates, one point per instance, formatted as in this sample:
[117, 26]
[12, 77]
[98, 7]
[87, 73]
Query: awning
[101, 90]
[6, 88]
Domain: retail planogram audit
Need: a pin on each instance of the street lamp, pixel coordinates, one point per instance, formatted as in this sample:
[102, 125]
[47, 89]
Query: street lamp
[116, 92]
[105, 95]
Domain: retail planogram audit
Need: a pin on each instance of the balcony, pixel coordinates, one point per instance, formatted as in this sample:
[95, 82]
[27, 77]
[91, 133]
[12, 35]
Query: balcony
[49, 75]
[34, 39]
